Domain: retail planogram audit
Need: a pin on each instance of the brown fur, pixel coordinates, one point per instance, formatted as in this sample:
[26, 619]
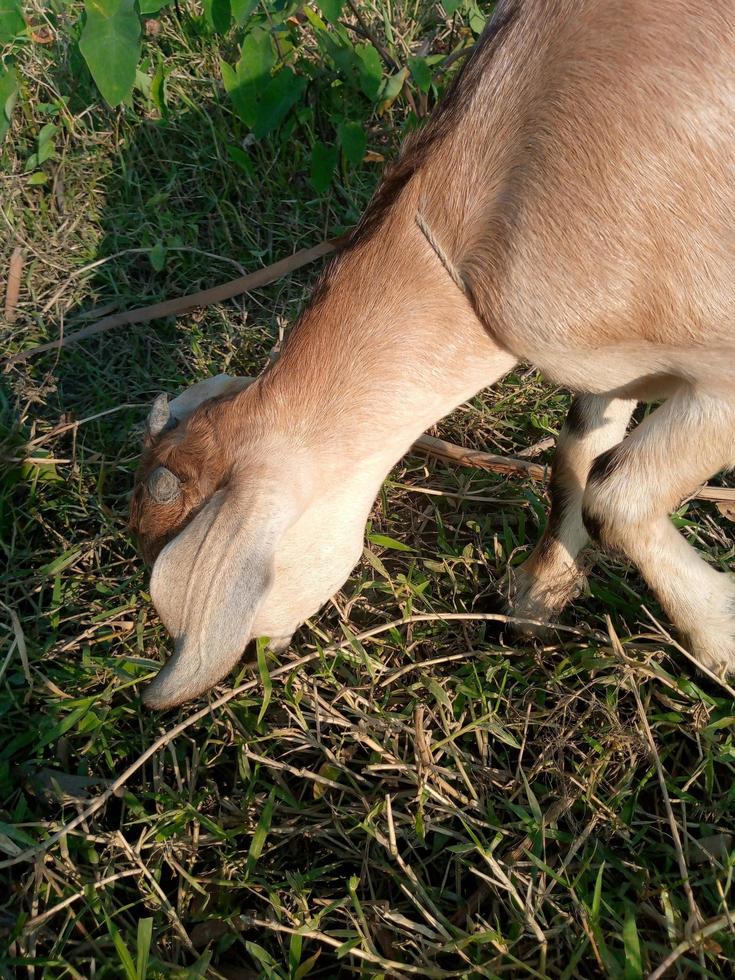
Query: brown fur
[196, 452]
[577, 203]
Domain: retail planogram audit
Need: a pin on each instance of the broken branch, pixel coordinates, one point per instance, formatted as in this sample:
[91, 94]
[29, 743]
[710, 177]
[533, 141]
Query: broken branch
[185, 304]
[512, 466]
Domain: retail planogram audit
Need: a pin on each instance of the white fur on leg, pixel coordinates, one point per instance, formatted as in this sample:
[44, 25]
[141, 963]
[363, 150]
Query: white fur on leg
[674, 449]
[553, 575]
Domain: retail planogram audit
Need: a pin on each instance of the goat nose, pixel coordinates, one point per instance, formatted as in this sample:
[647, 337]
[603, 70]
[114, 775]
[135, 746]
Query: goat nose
[164, 486]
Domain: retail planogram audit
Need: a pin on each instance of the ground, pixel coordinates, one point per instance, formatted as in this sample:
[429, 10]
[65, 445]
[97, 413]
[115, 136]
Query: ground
[418, 798]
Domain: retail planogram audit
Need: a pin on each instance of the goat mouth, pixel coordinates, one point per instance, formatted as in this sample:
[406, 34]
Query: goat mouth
[168, 690]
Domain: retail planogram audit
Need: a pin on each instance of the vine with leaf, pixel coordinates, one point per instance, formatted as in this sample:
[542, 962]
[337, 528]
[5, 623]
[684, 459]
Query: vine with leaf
[274, 52]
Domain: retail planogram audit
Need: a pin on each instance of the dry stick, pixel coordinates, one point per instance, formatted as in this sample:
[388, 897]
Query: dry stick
[184, 304]
[713, 926]
[462, 456]
[692, 659]
[34, 923]
[12, 290]
[452, 453]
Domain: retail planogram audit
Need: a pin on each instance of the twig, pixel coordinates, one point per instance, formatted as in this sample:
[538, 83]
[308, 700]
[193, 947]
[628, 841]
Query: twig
[168, 908]
[455, 56]
[184, 304]
[34, 923]
[12, 290]
[715, 493]
[483, 461]
[692, 659]
[711, 927]
[510, 466]
[367, 33]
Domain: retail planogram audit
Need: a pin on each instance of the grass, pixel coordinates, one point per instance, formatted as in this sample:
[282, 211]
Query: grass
[416, 799]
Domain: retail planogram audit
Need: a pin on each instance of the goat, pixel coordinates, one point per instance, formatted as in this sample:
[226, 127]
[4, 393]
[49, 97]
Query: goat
[570, 204]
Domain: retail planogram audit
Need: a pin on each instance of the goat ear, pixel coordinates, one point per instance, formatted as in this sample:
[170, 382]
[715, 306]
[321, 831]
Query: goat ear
[221, 384]
[207, 585]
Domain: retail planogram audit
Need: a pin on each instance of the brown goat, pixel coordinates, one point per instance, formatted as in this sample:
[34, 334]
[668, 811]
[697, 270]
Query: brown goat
[571, 203]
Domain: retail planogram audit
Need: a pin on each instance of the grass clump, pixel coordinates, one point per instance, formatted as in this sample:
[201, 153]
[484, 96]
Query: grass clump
[416, 799]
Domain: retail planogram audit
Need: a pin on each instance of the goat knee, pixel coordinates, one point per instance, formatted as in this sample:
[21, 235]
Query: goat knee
[611, 509]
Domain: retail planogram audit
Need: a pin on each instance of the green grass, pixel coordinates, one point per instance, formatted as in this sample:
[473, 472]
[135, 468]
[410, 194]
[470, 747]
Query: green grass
[416, 801]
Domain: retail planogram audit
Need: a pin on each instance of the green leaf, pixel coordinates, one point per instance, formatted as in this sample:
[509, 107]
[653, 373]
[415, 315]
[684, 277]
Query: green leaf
[315, 20]
[217, 14]
[263, 957]
[110, 44]
[145, 934]
[477, 20]
[157, 256]
[38, 178]
[294, 952]
[353, 140]
[57, 729]
[246, 82]
[440, 695]
[123, 952]
[240, 157]
[451, 6]
[265, 678]
[283, 92]
[306, 966]
[323, 162]
[533, 801]
[370, 69]
[159, 89]
[242, 9]
[261, 833]
[633, 961]
[383, 541]
[391, 88]
[148, 7]
[11, 20]
[421, 73]
[46, 146]
[597, 896]
[8, 96]
[331, 9]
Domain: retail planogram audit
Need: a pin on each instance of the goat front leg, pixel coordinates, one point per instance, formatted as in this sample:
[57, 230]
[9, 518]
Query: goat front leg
[631, 490]
[549, 578]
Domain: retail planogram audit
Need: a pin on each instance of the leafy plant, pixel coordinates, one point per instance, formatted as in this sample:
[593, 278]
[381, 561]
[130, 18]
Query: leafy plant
[290, 70]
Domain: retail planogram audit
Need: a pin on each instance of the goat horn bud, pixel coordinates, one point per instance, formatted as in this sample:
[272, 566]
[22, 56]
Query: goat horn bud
[159, 415]
[164, 486]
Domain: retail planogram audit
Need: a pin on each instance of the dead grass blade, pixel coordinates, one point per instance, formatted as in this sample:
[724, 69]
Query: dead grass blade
[12, 290]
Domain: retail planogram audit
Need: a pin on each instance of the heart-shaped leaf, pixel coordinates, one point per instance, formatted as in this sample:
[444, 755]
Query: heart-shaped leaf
[217, 14]
[323, 162]
[353, 140]
[110, 44]
[11, 20]
[8, 95]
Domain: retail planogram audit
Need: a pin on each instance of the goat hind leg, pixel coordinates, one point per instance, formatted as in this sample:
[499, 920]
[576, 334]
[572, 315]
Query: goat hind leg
[548, 579]
[632, 489]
